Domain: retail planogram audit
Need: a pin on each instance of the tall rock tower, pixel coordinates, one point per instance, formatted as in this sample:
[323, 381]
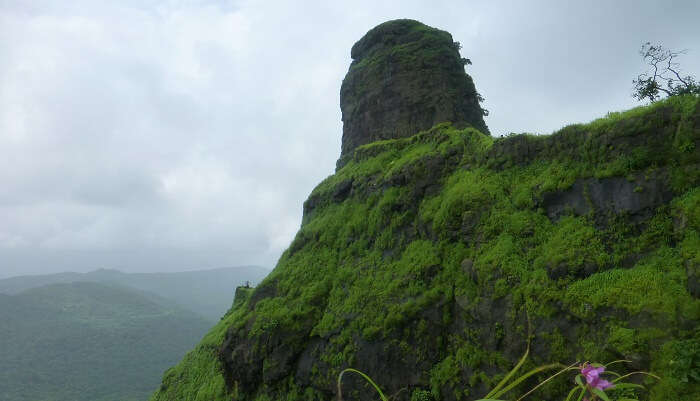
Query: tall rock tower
[405, 77]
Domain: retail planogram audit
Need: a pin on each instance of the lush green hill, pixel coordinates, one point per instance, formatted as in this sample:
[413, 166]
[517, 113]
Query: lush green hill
[423, 261]
[206, 292]
[89, 341]
[431, 261]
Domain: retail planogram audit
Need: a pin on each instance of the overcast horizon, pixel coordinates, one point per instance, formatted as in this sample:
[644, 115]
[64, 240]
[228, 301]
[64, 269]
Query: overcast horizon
[164, 136]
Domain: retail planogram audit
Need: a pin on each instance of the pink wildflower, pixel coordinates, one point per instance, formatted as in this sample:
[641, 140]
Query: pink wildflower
[603, 384]
[592, 376]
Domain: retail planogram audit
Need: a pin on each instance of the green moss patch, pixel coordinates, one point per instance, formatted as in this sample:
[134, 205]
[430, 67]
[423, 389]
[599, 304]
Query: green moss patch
[434, 257]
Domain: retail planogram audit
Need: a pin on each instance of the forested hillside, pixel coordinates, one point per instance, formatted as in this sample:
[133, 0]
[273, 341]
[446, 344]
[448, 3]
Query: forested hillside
[89, 341]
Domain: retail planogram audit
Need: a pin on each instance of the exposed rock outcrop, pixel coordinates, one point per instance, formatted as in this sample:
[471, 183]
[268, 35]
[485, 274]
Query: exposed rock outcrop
[405, 77]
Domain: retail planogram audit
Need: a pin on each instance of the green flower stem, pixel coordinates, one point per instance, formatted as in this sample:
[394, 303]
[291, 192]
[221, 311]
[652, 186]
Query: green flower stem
[541, 368]
[340, 378]
[637, 373]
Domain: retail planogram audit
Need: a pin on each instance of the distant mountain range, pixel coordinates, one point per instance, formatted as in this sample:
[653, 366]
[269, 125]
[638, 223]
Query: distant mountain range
[105, 335]
[208, 293]
[88, 341]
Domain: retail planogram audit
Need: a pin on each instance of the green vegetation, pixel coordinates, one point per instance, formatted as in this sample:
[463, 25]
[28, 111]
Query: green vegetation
[424, 260]
[405, 77]
[664, 77]
[205, 292]
[590, 380]
[199, 376]
[88, 341]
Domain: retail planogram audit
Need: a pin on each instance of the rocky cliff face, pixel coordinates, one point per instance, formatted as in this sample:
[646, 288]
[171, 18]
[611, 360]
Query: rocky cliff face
[427, 262]
[405, 77]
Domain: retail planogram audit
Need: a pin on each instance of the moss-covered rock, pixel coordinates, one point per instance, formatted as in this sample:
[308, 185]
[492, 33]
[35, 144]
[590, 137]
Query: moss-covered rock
[428, 261]
[405, 77]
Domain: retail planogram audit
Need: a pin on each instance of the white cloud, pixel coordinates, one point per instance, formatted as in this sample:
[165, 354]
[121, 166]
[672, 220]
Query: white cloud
[163, 135]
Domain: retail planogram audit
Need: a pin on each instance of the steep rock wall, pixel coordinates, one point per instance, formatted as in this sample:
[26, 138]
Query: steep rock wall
[405, 77]
[428, 261]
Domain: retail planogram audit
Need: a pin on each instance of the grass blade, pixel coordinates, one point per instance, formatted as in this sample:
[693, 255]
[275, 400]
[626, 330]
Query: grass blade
[628, 385]
[541, 368]
[526, 375]
[617, 361]
[340, 378]
[510, 374]
[637, 373]
[571, 393]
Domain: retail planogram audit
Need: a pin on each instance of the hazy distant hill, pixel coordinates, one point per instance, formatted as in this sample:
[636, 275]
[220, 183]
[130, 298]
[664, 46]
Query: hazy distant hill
[89, 341]
[206, 292]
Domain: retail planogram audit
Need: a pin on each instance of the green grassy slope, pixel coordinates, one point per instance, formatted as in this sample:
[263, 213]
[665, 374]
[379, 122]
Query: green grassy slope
[88, 341]
[428, 261]
[205, 292]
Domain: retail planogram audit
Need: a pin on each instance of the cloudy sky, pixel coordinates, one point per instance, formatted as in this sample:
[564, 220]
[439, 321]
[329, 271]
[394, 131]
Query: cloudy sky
[164, 135]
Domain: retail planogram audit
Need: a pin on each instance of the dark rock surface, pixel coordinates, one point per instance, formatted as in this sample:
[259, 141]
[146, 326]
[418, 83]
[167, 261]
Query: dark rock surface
[405, 77]
[637, 197]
